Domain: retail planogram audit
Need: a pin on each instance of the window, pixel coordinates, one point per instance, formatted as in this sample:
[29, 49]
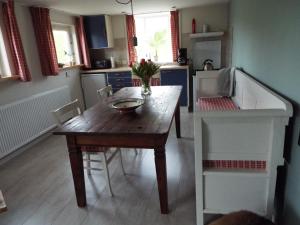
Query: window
[4, 59]
[154, 37]
[66, 50]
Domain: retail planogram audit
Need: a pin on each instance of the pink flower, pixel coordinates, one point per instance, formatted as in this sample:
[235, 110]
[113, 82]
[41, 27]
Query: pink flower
[143, 61]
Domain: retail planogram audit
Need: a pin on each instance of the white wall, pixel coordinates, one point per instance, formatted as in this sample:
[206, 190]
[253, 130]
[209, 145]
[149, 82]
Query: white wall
[118, 26]
[15, 90]
[215, 15]
[217, 18]
[61, 17]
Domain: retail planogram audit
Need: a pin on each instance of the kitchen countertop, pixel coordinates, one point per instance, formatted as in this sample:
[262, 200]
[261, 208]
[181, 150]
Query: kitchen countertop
[126, 68]
[173, 67]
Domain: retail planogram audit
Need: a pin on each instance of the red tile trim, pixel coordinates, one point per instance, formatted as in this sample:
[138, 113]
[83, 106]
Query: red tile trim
[235, 164]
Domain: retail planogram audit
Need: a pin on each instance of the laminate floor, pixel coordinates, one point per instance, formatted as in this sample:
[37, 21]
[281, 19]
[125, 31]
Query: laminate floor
[38, 186]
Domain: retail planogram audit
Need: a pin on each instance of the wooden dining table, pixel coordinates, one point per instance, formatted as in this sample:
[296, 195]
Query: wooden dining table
[147, 127]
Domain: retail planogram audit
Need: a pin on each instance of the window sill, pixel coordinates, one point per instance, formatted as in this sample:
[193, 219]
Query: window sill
[70, 67]
[14, 77]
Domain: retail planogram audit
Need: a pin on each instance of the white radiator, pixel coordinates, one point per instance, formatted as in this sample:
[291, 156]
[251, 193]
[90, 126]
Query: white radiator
[24, 120]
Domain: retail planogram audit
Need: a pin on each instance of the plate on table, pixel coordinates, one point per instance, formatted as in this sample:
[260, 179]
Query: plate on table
[127, 104]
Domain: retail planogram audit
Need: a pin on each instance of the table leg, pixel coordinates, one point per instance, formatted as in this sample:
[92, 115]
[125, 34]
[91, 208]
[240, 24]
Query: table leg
[177, 121]
[161, 176]
[76, 162]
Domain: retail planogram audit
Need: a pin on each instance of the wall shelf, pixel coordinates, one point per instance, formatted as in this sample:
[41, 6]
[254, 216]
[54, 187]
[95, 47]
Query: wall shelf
[207, 34]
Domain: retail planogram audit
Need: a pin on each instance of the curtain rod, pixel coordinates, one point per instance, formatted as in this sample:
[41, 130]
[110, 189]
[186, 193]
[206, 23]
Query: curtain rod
[156, 12]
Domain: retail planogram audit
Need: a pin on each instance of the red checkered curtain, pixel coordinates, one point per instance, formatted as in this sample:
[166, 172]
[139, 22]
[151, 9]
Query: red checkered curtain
[174, 20]
[130, 34]
[82, 44]
[15, 42]
[45, 41]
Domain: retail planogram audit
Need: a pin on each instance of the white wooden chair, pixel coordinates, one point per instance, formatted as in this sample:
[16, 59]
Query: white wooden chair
[71, 110]
[105, 92]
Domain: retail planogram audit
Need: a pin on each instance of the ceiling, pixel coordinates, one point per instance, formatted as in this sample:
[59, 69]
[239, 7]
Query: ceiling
[90, 7]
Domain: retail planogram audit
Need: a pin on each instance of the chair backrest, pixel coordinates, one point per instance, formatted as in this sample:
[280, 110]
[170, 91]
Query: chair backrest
[67, 112]
[105, 92]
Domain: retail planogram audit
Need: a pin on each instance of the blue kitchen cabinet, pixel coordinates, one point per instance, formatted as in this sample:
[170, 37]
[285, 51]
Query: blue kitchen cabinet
[176, 77]
[119, 80]
[98, 31]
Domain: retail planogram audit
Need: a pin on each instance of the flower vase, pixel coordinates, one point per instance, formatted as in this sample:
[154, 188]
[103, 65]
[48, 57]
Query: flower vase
[146, 88]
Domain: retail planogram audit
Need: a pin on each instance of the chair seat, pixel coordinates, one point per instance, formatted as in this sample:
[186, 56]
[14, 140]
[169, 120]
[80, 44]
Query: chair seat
[93, 149]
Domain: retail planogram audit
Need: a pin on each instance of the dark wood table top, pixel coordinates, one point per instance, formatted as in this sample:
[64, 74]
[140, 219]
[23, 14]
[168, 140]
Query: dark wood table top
[152, 118]
[147, 128]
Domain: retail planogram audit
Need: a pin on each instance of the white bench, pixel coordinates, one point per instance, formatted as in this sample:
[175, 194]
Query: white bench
[237, 152]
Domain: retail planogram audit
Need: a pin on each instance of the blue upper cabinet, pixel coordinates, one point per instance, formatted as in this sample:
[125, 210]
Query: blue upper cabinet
[98, 31]
[176, 77]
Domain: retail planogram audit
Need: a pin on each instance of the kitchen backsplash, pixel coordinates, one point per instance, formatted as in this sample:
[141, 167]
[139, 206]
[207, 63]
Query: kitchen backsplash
[187, 42]
[119, 52]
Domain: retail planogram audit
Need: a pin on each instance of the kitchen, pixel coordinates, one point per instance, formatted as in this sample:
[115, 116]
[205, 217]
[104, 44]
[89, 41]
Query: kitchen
[114, 53]
[224, 34]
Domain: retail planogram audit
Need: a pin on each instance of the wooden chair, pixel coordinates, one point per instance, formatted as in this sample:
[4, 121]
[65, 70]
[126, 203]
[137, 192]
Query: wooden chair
[71, 110]
[105, 92]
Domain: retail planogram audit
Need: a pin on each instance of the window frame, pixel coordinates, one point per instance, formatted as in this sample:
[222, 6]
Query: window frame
[70, 29]
[154, 15]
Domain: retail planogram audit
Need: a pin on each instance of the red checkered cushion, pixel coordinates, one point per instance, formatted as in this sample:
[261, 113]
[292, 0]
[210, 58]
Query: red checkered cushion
[213, 104]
